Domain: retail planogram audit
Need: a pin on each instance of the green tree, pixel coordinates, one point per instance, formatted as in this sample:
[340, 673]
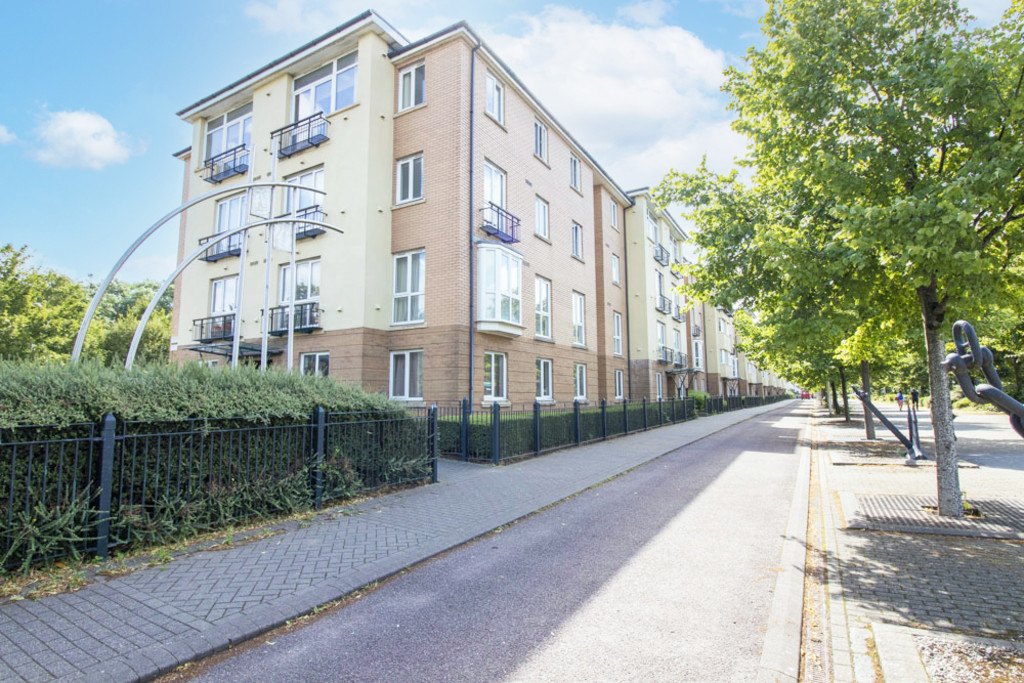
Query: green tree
[886, 138]
[39, 309]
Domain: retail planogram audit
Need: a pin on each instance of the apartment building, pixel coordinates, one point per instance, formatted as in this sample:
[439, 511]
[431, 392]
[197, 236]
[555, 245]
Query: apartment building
[661, 364]
[482, 250]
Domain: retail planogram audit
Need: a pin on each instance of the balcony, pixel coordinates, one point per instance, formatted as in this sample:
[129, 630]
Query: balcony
[232, 246]
[677, 314]
[661, 255]
[664, 354]
[305, 230]
[303, 134]
[499, 222]
[695, 331]
[307, 318]
[680, 359]
[662, 304]
[230, 163]
[214, 328]
[676, 272]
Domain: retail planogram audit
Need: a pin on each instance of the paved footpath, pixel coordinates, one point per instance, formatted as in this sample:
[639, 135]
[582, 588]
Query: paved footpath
[146, 623]
[898, 573]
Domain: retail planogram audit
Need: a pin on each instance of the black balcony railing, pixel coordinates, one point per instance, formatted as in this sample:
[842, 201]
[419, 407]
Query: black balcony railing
[499, 222]
[307, 318]
[214, 328]
[677, 314]
[235, 161]
[232, 246]
[680, 359]
[311, 213]
[664, 354]
[303, 134]
[676, 272]
[661, 254]
[663, 303]
[695, 330]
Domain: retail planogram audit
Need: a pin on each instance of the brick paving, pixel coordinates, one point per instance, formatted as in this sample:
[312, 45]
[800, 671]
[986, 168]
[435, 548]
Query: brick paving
[148, 622]
[890, 562]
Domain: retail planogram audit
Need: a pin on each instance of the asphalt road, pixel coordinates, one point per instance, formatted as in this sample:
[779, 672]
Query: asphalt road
[664, 573]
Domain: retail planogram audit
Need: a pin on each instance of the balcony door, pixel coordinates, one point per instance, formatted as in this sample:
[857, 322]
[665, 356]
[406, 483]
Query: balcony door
[494, 186]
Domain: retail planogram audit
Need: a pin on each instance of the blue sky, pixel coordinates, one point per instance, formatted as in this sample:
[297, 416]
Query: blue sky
[87, 102]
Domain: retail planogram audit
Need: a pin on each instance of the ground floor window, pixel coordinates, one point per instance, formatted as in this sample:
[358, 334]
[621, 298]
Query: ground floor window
[580, 380]
[315, 363]
[619, 393]
[494, 376]
[657, 386]
[544, 379]
[406, 375]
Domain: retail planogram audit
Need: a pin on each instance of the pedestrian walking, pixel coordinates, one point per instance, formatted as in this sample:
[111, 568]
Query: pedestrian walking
[899, 400]
[913, 398]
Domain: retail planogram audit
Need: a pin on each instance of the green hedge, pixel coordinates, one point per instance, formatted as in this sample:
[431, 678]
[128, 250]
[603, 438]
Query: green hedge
[65, 393]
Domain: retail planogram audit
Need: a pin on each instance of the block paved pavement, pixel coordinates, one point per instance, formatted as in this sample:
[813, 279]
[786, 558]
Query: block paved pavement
[893, 565]
[148, 622]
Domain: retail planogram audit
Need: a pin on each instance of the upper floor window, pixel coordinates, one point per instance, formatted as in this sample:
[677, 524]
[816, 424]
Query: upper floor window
[613, 209]
[540, 225]
[329, 88]
[409, 185]
[698, 353]
[540, 140]
[223, 295]
[579, 319]
[652, 226]
[615, 269]
[298, 199]
[575, 173]
[661, 334]
[500, 291]
[677, 340]
[542, 292]
[307, 282]
[495, 98]
[617, 333]
[228, 131]
[410, 281]
[577, 240]
[411, 82]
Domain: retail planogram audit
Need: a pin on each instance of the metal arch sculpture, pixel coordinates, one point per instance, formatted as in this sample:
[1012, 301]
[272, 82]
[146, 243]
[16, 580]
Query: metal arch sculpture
[971, 354]
[102, 289]
[199, 251]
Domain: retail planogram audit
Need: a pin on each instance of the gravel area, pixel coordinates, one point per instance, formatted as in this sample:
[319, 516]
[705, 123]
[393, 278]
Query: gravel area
[948, 661]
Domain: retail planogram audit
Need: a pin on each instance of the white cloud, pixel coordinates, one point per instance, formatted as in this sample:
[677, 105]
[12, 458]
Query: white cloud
[81, 139]
[640, 99]
[6, 136]
[987, 12]
[645, 12]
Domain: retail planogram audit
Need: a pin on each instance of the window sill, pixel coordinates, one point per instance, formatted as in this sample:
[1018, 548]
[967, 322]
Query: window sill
[542, 160]
[410, 202]
[500, 328]
[415, 107]
[414, 402]
[409, 325]
[545, 401]
[582, 400]
[577, 190]
[578, 258]
[546, 340]
[542, 238]
[343, 110]
[489, 401]
[576, 345]
[497, 122]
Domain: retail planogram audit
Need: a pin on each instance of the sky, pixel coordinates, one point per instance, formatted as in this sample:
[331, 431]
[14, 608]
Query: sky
[89, 94]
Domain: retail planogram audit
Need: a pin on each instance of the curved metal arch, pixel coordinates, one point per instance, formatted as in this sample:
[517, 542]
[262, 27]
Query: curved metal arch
[137, 338]
[94, 304]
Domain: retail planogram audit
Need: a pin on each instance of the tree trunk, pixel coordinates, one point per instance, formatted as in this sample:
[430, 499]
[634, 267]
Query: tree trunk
[865, 381]
[846, 395]
[946, 473]
[835, 400]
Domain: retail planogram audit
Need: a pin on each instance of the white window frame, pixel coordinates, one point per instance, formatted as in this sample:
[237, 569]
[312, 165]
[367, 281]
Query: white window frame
[413, 294]
[412, 86]
[541, 218]
[652, 226]
[544, 374]
[613, 208]
[542, 307]
[407, 369]
[677, 339]
[616, 274]
[579, 319]
[235, 125]
[223, 291]
[346, 66]
[617, 333]
[661, 335]
[579, 377]
[723, 356]
[490, 395]
[406, 172]
[698, 354]
[495, 184]
[540, 141]
[312, 179]
[658, 388]
[305, 271]
[620, 389]
[495, 98]
[229, 214]
[321, 363]
[577, 240]
[505, 285]
[575, 173]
